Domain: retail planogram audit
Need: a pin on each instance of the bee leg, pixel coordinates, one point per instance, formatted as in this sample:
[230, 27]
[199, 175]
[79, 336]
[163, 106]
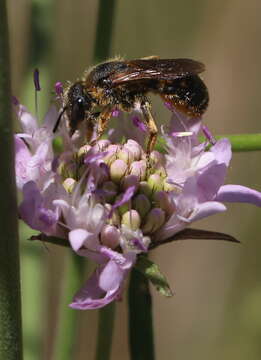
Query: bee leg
[90, 130]
[153, 131]
[102, 120]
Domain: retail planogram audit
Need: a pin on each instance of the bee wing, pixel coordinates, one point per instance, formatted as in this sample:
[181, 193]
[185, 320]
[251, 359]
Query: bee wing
[161, 69]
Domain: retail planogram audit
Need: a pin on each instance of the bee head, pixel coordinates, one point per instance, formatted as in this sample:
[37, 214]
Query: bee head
[77, 105]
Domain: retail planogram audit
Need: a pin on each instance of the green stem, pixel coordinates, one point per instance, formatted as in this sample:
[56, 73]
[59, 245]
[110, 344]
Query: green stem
[105, 332]
[239, 142]
[243, 142]
[10, 296]
[65, 342]
[140, 318]
[104, 29]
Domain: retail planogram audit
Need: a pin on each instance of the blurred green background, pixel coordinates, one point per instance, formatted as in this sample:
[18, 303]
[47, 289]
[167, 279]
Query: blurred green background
[216, 311]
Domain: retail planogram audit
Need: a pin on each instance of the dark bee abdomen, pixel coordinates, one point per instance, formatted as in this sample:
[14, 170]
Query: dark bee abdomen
[188, 94]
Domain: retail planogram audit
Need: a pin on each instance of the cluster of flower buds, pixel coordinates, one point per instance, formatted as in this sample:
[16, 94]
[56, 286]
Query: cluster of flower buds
[112, 201]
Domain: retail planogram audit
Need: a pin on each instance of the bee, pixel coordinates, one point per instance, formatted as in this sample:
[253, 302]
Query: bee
[124, 85]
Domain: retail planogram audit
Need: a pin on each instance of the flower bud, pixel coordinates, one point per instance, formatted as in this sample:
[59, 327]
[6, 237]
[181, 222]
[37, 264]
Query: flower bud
[125, 155]
[163, 201]
[125, 207]
[102, 145]
[145, 189]
[139, 168]
[154, 220]
[111, 151]
[170, 187]
[130, 180]
[110, 236]
[117, 170]
[134, 148]
[156, 158]
[69, 184]
[161, 171]
[142, 204]
[66, 170]
[110, 190]
[83, 150]
[155, 182]
[131, 219]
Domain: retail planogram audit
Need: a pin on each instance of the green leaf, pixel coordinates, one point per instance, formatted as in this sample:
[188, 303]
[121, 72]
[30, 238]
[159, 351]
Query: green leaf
[197, 234]
[152, 272]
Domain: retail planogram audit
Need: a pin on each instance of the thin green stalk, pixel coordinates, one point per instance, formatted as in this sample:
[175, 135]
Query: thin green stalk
[105, 332]
[243, 142]
[10, 296]
[239, 142]
[65, 342]
[104, 29]
[140, 318]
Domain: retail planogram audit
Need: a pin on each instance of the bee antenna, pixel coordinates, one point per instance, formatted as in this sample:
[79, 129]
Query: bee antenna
[59, 119]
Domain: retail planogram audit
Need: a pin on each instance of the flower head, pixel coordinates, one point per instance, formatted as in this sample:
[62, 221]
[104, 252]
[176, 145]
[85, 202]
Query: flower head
[112, 201]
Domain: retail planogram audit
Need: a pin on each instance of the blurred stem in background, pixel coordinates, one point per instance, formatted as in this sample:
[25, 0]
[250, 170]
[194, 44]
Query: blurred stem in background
[34, 270]
[140, 318]
[105, 332]
[239, 142]
[68, 319]
[10, 295]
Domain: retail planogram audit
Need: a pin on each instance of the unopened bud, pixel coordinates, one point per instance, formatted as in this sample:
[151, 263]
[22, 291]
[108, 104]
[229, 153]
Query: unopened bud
[154, 220]
[156, 158]
[117, 170]
[155, 182]
[130, 180]
[170, 187]
[145, 189]
[69, 184]
[83, 150]
[163, 201]
[111, 155]
[125, 155]
[110, 236]
[134, 148]
[142, 204]
[139, 168]
[131, 219]
[110, 190]
[115, 218]
[102, 144]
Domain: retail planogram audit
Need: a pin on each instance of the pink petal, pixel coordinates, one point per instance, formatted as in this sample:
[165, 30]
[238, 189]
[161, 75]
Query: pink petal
[209, 182]
[111, 277]
[28, 121]
[206, 209]
[238, 193]
[22, 157]
[222, 151]
[92, 296]
[77, 237]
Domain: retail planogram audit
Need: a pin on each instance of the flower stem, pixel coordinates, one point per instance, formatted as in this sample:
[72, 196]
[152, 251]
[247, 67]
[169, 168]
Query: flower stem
[140, 318]
[65, 342]
[239, 142]
[105, 332]
[104, 29]
[243, 142]
[10, 297]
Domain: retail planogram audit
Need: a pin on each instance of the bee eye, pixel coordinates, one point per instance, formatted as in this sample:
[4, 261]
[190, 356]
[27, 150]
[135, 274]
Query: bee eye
[80, 100]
